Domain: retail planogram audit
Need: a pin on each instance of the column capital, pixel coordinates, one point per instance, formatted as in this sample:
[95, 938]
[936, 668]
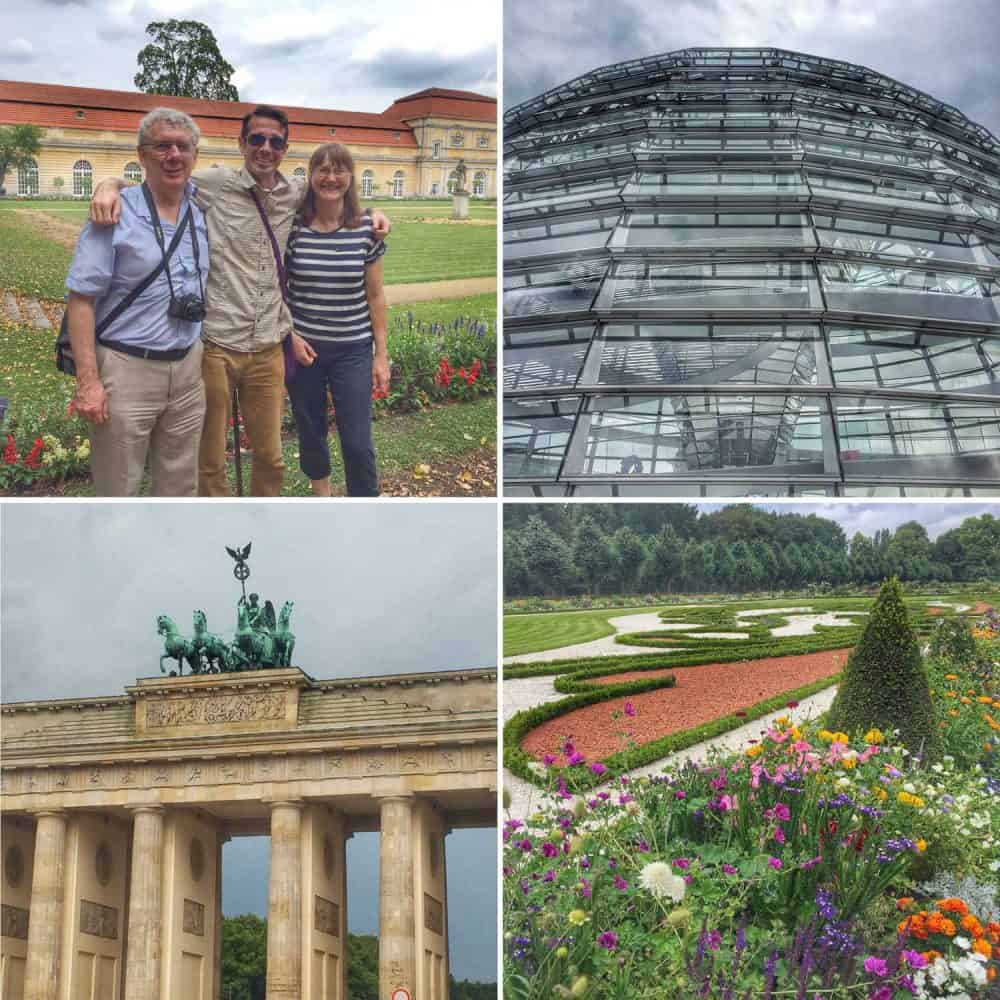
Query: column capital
[408, 797]
[44, 813]
[293, 803]
[146, 807]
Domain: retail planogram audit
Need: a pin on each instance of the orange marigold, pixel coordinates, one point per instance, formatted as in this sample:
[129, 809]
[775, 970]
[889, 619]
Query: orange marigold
[932, 956]
[903, 902]
[972, 925]
[952, 905]
[983, 948]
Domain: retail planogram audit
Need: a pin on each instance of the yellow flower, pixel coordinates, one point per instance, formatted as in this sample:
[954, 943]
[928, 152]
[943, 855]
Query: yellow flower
[906, 799]
[921, 845]
[951, 677]
[874, 736]
[880, 793]
[755, 751]
[577, 917]
[848, 763]
[985, 699]
[562, 952]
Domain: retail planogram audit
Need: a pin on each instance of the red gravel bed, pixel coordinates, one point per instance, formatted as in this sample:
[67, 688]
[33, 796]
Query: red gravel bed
[700, 695]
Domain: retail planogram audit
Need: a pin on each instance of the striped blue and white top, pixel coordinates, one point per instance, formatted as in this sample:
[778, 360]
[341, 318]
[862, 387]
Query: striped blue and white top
[325, 273]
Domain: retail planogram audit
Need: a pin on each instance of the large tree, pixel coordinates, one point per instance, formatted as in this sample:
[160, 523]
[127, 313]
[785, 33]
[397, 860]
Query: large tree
[19, 144]
[244, 954]
[184, 60]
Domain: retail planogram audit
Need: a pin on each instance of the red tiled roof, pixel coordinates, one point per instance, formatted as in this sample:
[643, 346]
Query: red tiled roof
[437, 102]
[52, 105]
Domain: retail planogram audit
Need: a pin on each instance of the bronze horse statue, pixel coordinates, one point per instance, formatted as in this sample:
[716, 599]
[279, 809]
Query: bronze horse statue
[211, 649]
[177, 647]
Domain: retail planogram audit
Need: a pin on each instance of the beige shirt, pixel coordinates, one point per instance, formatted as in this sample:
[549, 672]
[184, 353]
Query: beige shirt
[245, 311]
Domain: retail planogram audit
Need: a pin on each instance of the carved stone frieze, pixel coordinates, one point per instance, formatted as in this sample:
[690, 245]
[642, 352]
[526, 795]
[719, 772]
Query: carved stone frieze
[14, 922]
[212, 710]
[99, 920]
[194, 918]
[326, 917]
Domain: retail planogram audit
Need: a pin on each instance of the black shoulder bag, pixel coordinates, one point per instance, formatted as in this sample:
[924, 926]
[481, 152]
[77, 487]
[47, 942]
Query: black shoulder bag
[63, 346]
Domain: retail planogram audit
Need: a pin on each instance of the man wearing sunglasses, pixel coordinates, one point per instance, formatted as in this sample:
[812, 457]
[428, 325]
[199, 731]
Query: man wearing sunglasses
[246, 319]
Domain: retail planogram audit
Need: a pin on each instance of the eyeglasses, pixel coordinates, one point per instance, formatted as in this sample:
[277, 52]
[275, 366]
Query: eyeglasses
[332, 171]
[258, 139]
[164, 148]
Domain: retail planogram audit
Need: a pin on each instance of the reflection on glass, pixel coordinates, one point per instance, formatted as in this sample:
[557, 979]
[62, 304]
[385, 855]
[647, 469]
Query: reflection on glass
[535, 436]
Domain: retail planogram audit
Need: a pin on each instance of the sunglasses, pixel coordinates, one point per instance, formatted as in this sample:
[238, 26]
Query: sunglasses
[258, 139]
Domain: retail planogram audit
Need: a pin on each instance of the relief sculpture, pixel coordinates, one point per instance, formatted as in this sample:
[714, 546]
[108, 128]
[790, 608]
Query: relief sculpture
[232, 708]
[433, 914]
[14, 922]
[99, 920]
[327, 917]
[194, 918]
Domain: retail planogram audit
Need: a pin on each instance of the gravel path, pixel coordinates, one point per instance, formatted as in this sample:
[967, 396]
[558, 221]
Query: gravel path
[606, 646]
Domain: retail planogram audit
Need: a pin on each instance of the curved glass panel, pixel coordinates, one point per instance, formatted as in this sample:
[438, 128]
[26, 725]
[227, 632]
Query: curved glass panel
[708, 230]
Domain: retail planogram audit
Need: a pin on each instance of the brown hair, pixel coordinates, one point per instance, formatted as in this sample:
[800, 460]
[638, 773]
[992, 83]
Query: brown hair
[336, 155]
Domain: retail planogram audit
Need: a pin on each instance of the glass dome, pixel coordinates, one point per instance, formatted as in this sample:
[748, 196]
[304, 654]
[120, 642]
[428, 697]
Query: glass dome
[749, 272]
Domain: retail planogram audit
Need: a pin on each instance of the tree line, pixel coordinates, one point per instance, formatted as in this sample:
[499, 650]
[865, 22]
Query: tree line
[565, 549]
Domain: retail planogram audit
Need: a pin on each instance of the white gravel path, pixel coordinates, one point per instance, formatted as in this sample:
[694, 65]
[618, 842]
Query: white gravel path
[948, 604]
[806, 624]
[606, 646]
[525, 797]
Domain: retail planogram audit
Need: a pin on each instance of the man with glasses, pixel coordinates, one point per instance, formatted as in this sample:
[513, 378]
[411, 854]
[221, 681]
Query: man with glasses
[247, 319]
[136, 301]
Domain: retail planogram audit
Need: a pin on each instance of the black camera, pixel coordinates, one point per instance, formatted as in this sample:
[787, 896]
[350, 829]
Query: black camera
[190, 308]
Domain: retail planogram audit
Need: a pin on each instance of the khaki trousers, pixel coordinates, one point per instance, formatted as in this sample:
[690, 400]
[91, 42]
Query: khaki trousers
[155, 410]
[260, 378]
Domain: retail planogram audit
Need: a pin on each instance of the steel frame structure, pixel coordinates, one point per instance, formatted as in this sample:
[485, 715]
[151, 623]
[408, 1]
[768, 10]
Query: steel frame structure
[749, 272]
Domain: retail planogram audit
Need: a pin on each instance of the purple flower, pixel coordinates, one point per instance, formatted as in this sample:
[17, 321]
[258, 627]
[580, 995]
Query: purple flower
[525, 845]
[876, 966]
[598, 769]
[603, 796]
[775, 863]
[779, 835]
[682, 863]
[679, 794]
[575, 758]
[585, 889]
[781, 811]
[549, 759]
[714, 940]
[811, 863]
[609, 940]
[549, 850]
[730, 870]
[882, 993]
[629, 709]
[549, 876]
[620, 883]
[568, 747]
[915, 960]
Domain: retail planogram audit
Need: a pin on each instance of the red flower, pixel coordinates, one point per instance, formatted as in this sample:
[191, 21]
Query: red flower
[10, 452]
[71, 409]
[445, 373]
[32, 459]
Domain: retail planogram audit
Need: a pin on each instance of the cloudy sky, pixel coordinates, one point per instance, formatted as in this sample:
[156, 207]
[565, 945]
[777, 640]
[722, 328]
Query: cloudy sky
[352, 55]
[945, 49]
[378, 589]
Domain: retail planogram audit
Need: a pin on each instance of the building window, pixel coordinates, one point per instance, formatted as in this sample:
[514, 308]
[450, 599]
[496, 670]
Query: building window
[83, 179]
[367, 184]
[396, 135]
[458, 138]
[452, 182]
[484, 141]
[133, 172]
[436, 150]
[434, 188]
[479, 184]
[299, 172]
[397, 184]
[79, 114]
[27, 178]
[333, 131]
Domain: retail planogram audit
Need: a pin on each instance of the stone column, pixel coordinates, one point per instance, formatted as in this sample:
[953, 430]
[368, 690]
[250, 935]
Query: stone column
[397, 965]
[145, 905]
[284, 903]
[220, 841]
[48, 887]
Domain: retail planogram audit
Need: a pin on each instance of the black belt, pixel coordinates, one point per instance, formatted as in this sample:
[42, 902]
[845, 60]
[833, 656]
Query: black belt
[147, 352]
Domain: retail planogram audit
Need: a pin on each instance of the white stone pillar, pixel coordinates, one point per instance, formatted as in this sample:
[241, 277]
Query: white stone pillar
[397, 918]
[284, 903]
[48, 886]
[145, 905]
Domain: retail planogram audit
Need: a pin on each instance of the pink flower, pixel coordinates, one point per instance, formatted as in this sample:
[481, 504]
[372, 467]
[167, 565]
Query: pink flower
[775, 863]
[598, 769]
[549, 759]
[575, 758]
[779, 835]
[781, 812]
[915, 960]
[876, 966]
[609, 940]
[682, 863]
[629, 709]
[730, 870]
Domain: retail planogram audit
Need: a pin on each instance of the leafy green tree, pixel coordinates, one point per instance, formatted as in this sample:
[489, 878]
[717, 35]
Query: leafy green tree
[592, 555]
[362, 967]
[548, 559]
[183, 60]
[19, 144]
[631, 553]
[663, 565]
[884, 684]
[244, 954]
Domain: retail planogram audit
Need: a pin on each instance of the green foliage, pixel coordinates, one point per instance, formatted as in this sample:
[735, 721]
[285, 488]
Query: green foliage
[952, 640]
[885, 685]
[244, 954]
[18, 145]
[423, 252]
[31, 263]
[183, 60]
[362, 967]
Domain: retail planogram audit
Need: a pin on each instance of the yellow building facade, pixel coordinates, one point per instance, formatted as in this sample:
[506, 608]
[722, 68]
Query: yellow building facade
[412, 149]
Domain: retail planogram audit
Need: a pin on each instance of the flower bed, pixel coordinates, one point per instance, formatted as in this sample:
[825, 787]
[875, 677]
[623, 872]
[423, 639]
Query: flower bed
[812, 864]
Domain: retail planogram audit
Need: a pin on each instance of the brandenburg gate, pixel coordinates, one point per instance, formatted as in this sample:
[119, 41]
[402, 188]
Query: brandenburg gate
[116, 810]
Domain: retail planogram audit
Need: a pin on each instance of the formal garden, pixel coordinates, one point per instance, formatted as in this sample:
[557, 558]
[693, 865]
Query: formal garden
[435, 430]
[754, 798]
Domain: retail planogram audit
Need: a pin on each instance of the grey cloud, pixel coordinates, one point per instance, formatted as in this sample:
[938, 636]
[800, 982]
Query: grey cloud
[403, 71]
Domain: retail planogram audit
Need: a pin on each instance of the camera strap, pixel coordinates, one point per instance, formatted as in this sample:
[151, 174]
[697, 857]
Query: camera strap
[167, 253]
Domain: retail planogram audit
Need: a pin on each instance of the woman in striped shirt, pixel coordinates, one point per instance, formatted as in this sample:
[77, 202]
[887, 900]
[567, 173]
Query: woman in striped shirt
[334, 277]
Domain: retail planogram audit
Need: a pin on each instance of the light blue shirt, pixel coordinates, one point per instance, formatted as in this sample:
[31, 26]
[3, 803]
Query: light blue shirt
[111, 260]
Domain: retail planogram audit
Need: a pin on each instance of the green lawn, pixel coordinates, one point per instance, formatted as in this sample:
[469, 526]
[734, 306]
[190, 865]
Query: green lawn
[534, 633]
[417, 251]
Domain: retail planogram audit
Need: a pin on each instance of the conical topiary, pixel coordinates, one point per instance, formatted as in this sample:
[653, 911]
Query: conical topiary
[884, 684]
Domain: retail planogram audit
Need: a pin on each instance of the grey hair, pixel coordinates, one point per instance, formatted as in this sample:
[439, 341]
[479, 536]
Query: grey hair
[166, 116]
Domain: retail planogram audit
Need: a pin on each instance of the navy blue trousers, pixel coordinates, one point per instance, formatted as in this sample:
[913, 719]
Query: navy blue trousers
[347, 370]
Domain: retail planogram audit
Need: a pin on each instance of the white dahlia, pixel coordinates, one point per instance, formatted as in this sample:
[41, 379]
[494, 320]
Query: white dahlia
[658, 880]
